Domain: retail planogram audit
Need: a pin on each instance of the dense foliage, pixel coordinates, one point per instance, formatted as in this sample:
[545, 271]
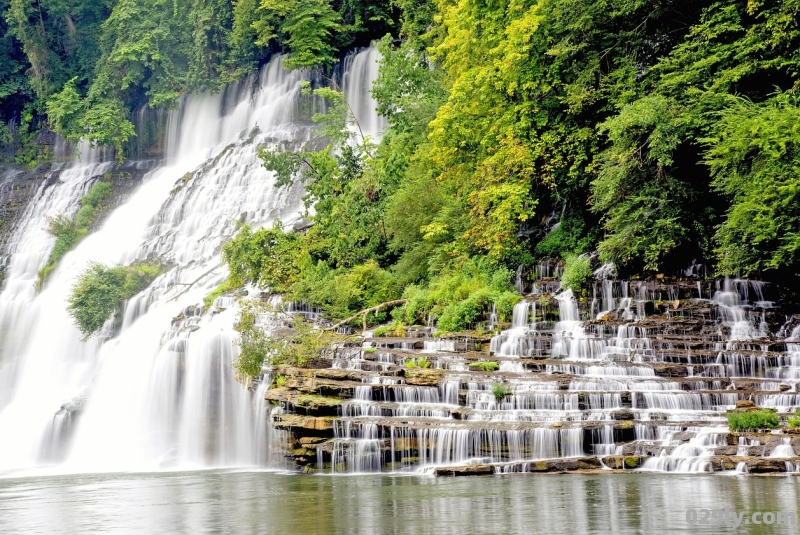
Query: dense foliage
[101, 291]
[82, 66]
[659, 134]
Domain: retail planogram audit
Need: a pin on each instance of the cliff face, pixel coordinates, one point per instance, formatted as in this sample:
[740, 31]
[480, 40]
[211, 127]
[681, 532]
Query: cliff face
[17, 187]
[647, 384]
[20, 186]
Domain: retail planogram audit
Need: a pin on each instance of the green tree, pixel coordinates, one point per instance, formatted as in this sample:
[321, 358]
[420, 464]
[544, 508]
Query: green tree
[307, 28]
[754, 158]
[101, 291]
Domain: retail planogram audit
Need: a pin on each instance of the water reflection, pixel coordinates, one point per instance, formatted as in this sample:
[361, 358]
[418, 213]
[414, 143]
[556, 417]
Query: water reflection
[257, 502]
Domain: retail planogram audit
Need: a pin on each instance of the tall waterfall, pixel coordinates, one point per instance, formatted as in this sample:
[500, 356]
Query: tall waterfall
[161, 394]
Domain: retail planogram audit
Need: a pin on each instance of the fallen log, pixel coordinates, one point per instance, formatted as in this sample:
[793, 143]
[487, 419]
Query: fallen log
[367, 311]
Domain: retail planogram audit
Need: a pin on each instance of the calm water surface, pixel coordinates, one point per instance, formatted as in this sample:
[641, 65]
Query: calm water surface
[266, 502]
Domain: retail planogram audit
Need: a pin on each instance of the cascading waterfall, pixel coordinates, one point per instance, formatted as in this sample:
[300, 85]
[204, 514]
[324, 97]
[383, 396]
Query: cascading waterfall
[162, 392]
[646, 389]
[360, 70]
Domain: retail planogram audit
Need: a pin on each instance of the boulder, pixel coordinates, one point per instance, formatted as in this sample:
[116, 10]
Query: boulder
[465, 470]
[765, 465]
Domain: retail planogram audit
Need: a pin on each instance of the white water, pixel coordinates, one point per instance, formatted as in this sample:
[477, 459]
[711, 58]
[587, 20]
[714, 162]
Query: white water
[162, 393]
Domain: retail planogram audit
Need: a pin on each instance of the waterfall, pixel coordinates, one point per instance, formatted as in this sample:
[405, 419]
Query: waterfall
[161, 394]
[360, 70]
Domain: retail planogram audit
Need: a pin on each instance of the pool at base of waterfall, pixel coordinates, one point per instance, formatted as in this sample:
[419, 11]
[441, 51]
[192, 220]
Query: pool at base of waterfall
[270, 502]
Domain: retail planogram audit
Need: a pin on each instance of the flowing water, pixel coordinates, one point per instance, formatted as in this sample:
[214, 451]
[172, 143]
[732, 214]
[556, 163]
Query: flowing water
[161, 394]
[632, 383]
[261, 502]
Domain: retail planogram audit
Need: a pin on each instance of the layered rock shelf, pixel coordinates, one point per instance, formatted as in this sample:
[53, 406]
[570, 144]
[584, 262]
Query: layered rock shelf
[639, 378]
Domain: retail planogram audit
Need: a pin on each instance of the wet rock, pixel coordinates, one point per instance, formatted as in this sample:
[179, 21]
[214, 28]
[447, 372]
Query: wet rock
[745, 404]
[311, 440]
[623, 462]
[566, 465]
[423, 377]
[295, 421]
[723, 463]
[765, 465]
[465, 470]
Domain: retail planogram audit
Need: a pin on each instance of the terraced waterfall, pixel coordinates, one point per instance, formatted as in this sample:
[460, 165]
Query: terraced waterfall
[641, 380]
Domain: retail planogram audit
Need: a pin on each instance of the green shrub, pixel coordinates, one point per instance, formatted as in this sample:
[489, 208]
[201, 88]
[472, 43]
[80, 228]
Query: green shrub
[753, 420]
[461, 295]
[370, 350]
[794, 421]
[100, 291]
[500, 391]
[577, 274]
[395, 329]
[572, 236]
[226, 286]
[280, 381]
[383, 330]
[292, 347]
[360, 287]
[420, 362]
[485, 366]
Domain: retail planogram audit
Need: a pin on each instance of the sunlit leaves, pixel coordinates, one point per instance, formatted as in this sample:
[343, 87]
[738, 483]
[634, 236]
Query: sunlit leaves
[754, 157]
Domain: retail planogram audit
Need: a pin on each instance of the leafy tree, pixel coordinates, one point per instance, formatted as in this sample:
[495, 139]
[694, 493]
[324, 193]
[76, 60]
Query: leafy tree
[266, 258]
[643, 202]
[100, 291]
[655, 188]
[754, 158]
[307, 27]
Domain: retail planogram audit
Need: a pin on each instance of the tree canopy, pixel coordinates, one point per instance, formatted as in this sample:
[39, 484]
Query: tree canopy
[659, 134]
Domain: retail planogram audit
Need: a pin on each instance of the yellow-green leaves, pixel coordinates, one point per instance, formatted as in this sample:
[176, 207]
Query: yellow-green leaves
[754, 158]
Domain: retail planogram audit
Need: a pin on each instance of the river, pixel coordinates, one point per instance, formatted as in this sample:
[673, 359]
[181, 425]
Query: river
[270, 502]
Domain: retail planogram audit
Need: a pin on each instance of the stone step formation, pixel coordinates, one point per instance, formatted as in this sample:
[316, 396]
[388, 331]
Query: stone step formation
[642, 378]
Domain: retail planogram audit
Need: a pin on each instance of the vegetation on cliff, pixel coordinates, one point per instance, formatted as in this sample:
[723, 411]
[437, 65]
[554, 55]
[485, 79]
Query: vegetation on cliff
[101, 291]
[645, 132]
[292, 346]
[82, 66]
[753, 420]
[69, 231]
